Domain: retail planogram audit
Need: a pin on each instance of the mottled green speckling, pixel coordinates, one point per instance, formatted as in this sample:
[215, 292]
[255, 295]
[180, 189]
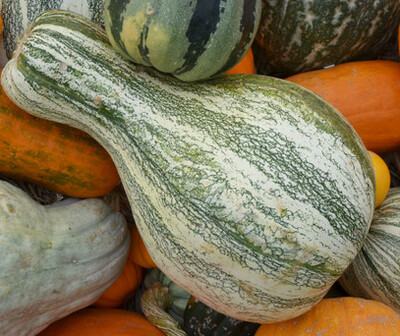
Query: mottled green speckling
[250, 192]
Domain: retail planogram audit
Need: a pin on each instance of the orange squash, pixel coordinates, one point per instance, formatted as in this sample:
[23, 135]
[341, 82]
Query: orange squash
[246, 65]
[367, 93]
[347, 316]
[1, 25]
[138, 252]
[55, 156]
[123, 289]
[382, 177]
[102, 322]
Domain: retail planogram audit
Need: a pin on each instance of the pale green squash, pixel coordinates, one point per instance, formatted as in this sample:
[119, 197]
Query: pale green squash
[375, 272]
[55, 259]
[250, 192]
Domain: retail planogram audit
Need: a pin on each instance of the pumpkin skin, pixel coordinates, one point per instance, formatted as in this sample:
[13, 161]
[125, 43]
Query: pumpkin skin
[123, 289]
[191, 39]
[102, 322]
[138, 252]
[367, 93]
[346, 316]
[375, 272]
[274, 196]
[299, 36]
[246, 65]
[56, 259]
[52, 155]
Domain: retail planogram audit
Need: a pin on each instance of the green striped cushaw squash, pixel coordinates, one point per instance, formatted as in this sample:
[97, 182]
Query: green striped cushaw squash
[298, 36]
[18, 15]
[55, 259]
[375, 272]
[192, 39]
[250, 192]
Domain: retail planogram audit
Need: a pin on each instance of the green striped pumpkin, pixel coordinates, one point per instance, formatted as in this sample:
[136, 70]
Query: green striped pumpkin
[192, 39]
[250, 192]
[18, 15]
[297, 36]
[375, 272]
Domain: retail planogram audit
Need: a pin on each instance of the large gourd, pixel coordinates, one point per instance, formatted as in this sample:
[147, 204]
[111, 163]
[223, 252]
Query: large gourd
[298, 36]
[18, 15]
[56, 259]
[375, 272]
[250, 192]
[192, 39]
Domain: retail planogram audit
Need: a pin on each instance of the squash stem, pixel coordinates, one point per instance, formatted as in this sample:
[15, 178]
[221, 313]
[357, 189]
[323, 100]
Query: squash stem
[154, 302]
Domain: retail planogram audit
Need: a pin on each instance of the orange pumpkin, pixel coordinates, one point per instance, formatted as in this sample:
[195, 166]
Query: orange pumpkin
[367, 93]
[246, 65]
[55, 156]
[102, 322]
[1, 25]
[138, 252]
[347, 316]
[123, 289]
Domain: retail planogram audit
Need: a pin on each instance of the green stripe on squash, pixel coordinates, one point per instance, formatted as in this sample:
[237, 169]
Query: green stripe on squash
[18, 15]
[192, 39]
[250, 192]
[375, 272]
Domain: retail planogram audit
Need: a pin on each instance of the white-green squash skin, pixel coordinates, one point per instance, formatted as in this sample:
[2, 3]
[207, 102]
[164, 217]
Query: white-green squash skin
[55, 259]
[375, 272]
[18, 15]
[250, 192]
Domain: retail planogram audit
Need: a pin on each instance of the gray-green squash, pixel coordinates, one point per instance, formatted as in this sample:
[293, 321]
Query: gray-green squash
[250, 192]
[375, 272]
[55, 259]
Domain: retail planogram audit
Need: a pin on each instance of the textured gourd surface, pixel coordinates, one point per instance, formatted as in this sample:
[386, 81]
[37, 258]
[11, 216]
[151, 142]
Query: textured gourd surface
[56, 259]
[192, 39]
[298, 36]
[375, 272]
[250, 192]
[18, 15]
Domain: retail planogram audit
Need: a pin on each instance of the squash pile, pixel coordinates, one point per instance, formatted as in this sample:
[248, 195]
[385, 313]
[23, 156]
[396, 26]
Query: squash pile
[252, 182]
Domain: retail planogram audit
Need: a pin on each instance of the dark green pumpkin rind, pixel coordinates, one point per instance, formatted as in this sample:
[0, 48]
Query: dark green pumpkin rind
[291, 31]
[201, 320]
